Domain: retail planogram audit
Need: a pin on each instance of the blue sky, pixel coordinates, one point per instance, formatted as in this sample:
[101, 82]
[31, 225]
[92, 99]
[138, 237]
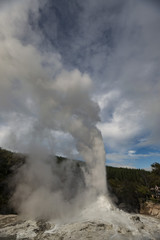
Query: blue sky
[115, 43]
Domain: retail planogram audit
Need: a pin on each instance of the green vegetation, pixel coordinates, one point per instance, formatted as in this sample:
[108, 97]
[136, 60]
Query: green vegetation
[9, 163]
[130, 186]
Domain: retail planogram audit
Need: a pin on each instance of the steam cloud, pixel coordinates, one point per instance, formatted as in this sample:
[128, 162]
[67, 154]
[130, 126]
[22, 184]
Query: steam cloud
[39, 97]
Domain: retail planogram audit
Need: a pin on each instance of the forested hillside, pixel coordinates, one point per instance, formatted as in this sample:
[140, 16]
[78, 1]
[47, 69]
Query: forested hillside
[127, 187]
[130, 186]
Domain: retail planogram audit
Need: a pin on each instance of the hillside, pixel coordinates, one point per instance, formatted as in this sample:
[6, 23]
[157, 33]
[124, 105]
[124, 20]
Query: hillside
[128, 188]
[132, 186]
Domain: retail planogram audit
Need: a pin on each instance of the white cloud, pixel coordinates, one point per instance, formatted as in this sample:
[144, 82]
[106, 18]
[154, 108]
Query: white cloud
[106, 99]
[118, 165]
[120, 50]
[131, 152]
[117, 157]
[123, 126]
[4, 131]
[129, 72]
[128, 159]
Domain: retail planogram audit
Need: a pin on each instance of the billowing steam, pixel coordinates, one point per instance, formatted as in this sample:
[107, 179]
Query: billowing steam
[39, 97]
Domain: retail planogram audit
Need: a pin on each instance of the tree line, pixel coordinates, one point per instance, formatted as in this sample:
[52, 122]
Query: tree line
[128, 186]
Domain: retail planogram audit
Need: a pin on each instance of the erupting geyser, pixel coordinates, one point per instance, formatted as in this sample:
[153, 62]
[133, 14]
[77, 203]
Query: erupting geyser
[42, 97]
[63, 104]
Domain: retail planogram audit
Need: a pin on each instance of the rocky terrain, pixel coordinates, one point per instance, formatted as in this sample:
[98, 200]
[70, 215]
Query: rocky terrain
[14, 228]
[99, 221]
[150, 208]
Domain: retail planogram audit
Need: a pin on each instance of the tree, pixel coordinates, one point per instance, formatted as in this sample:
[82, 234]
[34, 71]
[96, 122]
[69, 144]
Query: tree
[156, 168]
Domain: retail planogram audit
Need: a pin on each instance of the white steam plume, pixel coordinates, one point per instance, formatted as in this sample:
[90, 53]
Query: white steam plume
[37, 90]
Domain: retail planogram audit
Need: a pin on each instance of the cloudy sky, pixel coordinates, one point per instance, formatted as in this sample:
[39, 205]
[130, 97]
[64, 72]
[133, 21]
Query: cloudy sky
[109, 48]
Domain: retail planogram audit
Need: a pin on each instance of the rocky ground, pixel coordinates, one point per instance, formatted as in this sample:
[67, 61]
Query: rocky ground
[150, 208]
[99, 220]
[136, 227]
